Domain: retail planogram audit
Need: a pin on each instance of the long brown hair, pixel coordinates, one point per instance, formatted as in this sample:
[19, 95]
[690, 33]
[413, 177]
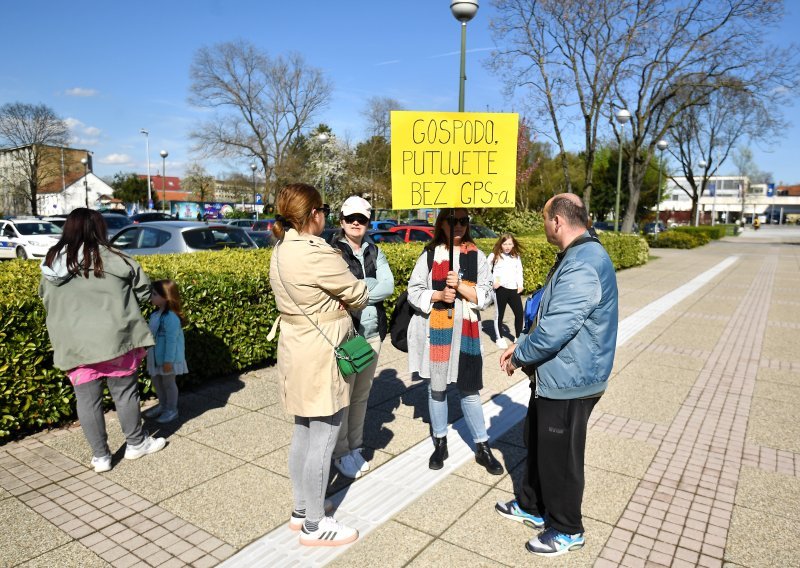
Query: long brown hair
[294, 204]
[516, 250]
[439, 238]
[168, 290]
[84, 229]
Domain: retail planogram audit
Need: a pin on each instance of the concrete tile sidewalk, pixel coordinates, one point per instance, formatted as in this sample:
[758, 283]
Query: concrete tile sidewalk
[691, 458]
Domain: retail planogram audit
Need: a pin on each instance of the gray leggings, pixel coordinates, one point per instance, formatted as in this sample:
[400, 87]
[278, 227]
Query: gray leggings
[313, 441]
[167, 391]
[125, 392]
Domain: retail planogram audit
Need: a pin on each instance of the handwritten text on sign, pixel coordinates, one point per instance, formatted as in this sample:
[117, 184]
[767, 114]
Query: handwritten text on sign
[453, 159]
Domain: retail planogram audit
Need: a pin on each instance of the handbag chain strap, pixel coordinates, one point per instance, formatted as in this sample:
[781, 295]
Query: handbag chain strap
[285, 289]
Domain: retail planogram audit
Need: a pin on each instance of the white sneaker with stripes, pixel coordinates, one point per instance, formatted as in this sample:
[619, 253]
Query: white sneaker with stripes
[329, 533]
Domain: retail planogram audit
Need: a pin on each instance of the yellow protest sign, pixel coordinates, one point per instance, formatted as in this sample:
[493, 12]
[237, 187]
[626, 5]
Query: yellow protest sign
[453, 159]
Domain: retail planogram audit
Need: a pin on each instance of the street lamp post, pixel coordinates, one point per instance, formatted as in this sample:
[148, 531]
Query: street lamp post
[253, 169]
[661, 145]
[703, 164]
[463, 11]
[164, 155]
[323, 139]
[622, 116]
[85, 162]
[147, 149]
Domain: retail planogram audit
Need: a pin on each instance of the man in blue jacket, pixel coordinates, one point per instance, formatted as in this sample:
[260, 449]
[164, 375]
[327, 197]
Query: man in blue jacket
[568, 355]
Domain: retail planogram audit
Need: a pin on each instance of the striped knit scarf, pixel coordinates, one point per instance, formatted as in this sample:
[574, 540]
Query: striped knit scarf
[470, 364]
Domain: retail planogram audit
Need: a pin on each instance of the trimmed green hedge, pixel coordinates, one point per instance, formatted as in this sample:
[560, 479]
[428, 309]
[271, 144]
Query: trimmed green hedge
[229, 307]
[678, 239]
[713, 233]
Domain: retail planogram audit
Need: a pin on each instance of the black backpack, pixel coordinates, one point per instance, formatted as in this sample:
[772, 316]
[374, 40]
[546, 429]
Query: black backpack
[401, 316]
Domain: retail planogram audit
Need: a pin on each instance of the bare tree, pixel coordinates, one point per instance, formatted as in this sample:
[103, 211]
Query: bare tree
[709, 132]
[31, 129]
[567, 54]
[261, 104]
[377, 114]
[198, 181]
[691, 49]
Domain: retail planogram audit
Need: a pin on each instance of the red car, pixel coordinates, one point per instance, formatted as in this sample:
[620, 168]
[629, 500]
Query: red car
[414, 233]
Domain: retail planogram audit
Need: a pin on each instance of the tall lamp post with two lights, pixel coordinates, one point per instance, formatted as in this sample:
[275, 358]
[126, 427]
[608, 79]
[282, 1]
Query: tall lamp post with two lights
[622, 116]
[661, 145]
[164, 155]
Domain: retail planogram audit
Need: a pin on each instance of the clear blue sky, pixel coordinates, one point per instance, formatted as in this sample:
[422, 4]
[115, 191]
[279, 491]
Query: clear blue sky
[111, 68]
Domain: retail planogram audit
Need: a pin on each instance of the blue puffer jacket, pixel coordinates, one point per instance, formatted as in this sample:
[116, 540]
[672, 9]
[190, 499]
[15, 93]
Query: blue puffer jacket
[572, 347]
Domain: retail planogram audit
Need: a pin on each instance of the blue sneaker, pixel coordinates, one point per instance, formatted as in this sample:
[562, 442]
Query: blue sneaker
[553, 543]
[511, 510]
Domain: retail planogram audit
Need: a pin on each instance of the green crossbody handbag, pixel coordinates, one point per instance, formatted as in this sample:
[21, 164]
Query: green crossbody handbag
[353, 355]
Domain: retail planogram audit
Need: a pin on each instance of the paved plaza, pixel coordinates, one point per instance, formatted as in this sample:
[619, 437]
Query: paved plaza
[693, 454]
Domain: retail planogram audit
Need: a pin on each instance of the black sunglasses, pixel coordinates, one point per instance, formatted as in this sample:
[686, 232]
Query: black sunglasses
[356, 217]
[326, 209]
[463, 221]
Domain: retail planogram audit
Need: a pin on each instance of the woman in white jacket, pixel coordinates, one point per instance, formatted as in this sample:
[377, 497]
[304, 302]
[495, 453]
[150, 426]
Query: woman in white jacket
[506, 268]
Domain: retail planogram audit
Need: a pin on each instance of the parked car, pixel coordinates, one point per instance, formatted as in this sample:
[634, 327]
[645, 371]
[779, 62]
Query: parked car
[481, 232]
[263, 239]
[603, 226]
[244, 223]
[263, 225]
[56, 220]
[115, 222]
[27, 237]
[414, 233]
[151, 216]
[382, 225]
[650, 228]
[380, 237]
[166, 237]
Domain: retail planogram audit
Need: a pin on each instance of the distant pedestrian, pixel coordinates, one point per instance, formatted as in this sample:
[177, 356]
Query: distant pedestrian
[166, 358]
[506, 264]
[91, 293]
[568, 356]
[313, 290]
[368, 263]
[199, 216]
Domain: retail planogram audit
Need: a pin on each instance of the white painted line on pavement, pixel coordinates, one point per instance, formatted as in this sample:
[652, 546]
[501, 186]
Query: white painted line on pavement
[377, 497]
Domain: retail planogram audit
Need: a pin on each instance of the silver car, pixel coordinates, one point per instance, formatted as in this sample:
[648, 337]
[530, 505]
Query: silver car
[170, 237]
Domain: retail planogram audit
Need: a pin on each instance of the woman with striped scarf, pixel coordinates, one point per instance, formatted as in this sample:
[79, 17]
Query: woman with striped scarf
[444, 333]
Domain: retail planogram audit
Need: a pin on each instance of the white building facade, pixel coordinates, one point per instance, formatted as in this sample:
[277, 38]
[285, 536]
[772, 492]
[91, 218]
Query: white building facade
[724, 200]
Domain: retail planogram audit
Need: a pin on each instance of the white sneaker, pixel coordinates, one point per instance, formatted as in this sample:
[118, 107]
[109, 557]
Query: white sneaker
[296, 523]
[329, 533]
[347, 466]
[153, 412]
[360, 462]
[101, 464]
[167, 416]
[149, 446]
[501, 343]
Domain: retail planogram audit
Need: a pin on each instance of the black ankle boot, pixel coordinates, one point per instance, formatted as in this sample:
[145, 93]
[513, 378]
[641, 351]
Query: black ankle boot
[439, 453]
[483, 455]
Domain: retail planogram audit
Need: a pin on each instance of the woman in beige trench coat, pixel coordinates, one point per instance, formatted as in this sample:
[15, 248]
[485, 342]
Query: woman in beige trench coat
[309, 277]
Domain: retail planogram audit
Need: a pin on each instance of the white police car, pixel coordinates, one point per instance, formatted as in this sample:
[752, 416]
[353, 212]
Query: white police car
[27, 237]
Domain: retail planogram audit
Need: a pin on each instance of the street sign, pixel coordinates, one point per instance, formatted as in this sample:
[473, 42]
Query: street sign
[770, 190]
[453, 159]
[150, 204]
[258, 199]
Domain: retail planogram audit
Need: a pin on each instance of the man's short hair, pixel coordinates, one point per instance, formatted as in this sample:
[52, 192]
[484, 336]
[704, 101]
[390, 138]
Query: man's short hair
[570, 209]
